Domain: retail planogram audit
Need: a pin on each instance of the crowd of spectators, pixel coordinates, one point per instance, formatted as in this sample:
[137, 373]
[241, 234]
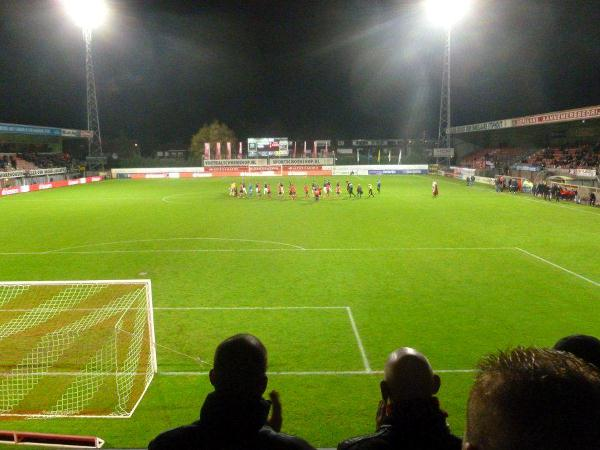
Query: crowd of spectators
[27, 161]
[47, 160]
[584, 157]
[577, 157]
[547, 190]
[522, 398]
[490, 158]
[8, 163]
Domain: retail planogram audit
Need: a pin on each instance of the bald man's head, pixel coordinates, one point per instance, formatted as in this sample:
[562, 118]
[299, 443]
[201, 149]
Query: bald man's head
[407, 376]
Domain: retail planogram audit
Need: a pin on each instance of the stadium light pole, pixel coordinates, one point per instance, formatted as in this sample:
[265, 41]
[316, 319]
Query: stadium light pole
[89, 15]
[446, 13]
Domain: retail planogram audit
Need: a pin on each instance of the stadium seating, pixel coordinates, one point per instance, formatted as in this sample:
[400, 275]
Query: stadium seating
[570, 158]
[582, 157]
[42, 160]
[489, 158]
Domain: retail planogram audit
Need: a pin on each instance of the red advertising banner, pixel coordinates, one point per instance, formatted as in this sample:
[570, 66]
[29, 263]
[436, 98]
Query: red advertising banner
[240, 151]
[207, 150]
[218, 154]
[229, 150]
[43, 186]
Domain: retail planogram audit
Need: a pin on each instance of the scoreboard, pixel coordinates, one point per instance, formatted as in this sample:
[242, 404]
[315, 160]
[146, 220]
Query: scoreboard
[268, 147]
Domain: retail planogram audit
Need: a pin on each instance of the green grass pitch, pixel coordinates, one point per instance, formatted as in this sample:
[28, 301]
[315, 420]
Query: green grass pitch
[330, 287]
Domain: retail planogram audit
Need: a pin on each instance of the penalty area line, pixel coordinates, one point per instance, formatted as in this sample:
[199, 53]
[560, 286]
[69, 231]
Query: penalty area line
[564, 269]
[361, 348]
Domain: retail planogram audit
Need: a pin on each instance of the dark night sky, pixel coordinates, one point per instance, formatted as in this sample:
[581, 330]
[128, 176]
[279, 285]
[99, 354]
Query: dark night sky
[304, 69]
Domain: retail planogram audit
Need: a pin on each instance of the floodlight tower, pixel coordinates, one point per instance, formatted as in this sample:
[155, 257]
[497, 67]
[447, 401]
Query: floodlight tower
[446, 13]
[89, 15]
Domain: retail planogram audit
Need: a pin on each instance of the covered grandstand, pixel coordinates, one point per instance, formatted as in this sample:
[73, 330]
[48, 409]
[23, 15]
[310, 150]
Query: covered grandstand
[28, 147]
[562, 140]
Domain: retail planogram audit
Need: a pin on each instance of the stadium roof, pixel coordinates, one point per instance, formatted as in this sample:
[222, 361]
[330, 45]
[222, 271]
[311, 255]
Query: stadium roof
[568, 115]
[14, 128]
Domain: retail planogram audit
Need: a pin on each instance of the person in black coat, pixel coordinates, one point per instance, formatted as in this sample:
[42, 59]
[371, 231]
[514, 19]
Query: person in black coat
[235, 416]
[409, 416]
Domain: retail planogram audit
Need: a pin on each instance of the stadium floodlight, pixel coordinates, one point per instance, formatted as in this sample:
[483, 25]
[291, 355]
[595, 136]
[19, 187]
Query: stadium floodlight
[89, 15]
[446, 13]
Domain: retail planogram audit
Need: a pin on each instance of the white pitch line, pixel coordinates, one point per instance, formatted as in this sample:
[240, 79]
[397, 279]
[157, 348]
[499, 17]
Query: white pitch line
[256, 250]
[595, 283]
[548, 202]
[242, 308]
[359, 341]
[525, 196]
[177, 308]
[219, 239]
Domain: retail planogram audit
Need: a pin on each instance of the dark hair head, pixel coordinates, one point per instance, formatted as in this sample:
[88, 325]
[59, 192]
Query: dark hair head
[534, 399]
[582, 346]
[240, 366]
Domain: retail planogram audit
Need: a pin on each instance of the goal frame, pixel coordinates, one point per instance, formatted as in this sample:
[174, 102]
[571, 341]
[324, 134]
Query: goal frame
[152, 343]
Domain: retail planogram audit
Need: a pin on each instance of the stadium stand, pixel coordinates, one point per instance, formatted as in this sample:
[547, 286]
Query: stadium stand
[43, 160]
[492, 157]
[571, 158]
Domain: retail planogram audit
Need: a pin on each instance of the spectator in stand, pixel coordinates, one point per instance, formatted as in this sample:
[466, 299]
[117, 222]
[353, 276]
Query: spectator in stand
[234, 416]
[583, 346]
[534, 399]
[409, 414]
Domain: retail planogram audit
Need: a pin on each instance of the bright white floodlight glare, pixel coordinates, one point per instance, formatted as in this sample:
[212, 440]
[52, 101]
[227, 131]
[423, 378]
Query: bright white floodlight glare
[88, 14]
[447, 12]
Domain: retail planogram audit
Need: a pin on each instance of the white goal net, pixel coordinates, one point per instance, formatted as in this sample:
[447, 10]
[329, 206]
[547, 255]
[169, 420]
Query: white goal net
[75, 348]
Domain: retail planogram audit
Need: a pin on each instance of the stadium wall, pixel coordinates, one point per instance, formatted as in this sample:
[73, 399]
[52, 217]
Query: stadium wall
[51, 185]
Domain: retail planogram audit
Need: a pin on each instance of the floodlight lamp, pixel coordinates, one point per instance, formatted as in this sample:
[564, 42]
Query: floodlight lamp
[87, 14]
[447, 13]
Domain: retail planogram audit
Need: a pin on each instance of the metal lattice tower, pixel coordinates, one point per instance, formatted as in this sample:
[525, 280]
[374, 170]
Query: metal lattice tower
[444, 140]
[95, 142]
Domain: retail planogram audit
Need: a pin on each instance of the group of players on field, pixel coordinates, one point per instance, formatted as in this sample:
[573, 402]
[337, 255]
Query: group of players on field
[315, 190]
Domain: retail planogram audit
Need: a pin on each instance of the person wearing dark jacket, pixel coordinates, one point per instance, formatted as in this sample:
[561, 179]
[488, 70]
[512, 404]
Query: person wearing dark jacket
[409, 415]
[235, 416]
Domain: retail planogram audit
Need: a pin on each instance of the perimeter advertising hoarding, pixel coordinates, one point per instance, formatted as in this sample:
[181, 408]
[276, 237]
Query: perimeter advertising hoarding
[265, 147]
[43, 186]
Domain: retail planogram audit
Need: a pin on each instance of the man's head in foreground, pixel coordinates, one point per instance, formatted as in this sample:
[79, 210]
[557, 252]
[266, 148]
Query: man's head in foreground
[534, 399]
[240, 366]
[408, 376]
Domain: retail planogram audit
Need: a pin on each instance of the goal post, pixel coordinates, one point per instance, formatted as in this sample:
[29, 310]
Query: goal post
[75, 348]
